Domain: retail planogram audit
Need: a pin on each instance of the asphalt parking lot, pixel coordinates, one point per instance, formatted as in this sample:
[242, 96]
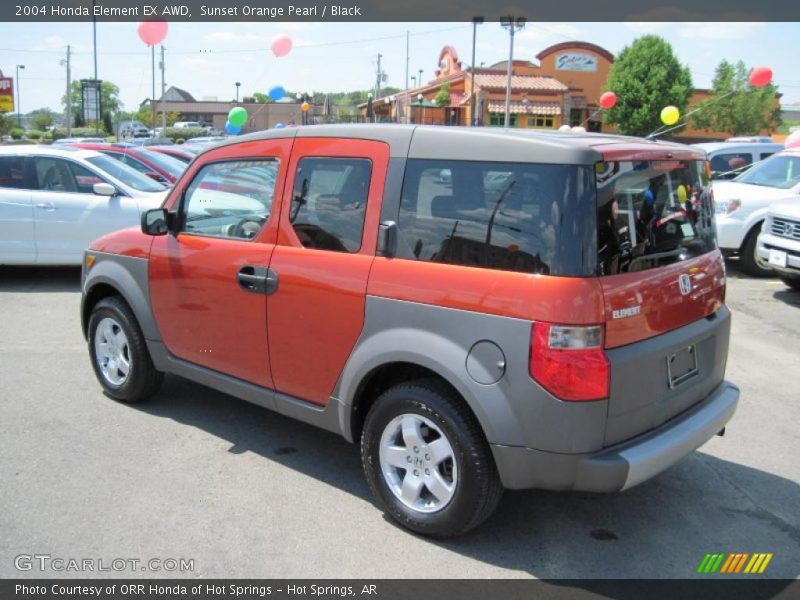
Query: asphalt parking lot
[244, 492]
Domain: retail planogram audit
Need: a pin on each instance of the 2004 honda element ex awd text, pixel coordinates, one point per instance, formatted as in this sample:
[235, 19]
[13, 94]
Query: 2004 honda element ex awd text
[551, 315]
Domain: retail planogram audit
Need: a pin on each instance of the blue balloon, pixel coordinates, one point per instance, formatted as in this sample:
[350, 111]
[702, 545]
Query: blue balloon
[279, 125]
[232, 129]
[277, 93]
[648, 197]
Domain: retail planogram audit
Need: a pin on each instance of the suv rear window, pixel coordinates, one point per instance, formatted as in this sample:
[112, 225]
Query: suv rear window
[533, 218]
[651, 213]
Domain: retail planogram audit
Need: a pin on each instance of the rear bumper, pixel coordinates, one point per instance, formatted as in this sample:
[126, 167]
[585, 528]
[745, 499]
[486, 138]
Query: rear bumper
[625, 465]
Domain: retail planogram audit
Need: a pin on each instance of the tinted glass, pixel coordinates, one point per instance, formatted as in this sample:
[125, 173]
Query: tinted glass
[512, 216]
[722, 163]
[230, 199]
[12, 172]
[125, 174]
[84, 178]
[166, 163]
[776, 171]
[54, 175]
[652, 213]
[329, 202]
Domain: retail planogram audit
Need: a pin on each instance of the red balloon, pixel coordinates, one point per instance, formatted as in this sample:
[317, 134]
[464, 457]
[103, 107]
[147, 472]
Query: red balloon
[153, 32]
[281, 45]
[760, 76]
[608, 100]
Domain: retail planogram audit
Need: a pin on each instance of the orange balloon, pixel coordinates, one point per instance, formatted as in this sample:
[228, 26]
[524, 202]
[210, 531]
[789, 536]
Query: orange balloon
[305, 106]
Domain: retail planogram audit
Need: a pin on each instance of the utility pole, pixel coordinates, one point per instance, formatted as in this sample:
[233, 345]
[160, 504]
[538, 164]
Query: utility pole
[163, 91]
[420, 78]
[472, 96]
[94, 46]
[512, 24]
[153, 97]
[378, 78]
[69, 93]
[408, 41]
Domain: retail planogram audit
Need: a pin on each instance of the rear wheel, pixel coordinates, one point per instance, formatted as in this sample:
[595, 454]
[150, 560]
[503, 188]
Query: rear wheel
[747, 255]
[427, 462]
[793, 281]
[119, 354]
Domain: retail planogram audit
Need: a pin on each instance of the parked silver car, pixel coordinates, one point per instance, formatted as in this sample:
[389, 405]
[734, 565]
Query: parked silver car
[55, 201]
[779, 242]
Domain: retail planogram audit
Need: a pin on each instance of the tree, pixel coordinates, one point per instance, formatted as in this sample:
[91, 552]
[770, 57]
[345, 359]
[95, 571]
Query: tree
[443, 97]
[42, 118]
[6, 124]
[646, 77]
[109, 102]
[735, 107]
[261, 98]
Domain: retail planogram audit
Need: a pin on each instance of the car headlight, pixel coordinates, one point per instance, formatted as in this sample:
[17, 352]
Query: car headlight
[726, 207]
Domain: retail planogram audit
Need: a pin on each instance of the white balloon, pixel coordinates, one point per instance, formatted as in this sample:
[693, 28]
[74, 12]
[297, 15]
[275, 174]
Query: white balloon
[579, 129]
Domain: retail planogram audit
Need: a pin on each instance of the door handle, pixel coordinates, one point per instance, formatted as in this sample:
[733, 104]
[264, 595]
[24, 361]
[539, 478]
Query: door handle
[256, 279]
[48, 206]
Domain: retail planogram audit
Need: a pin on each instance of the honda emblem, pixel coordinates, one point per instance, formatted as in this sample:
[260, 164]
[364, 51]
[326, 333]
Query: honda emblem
[685, 284]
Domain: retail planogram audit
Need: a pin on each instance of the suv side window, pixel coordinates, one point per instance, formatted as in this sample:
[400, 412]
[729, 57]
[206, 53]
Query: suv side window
[84, 178]
[12, 172]
[330, 201]
[509, 216]
[722, 163]
[231, 199]
[54, 175]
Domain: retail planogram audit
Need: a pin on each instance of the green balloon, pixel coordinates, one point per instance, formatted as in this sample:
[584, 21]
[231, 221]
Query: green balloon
[237, 116]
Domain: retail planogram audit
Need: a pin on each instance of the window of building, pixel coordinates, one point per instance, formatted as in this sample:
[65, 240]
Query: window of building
[540, 121]
[330, 201]
[499, 120]
[230, 199]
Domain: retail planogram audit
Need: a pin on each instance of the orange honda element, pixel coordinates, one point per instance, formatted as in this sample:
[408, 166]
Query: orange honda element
[549, 315]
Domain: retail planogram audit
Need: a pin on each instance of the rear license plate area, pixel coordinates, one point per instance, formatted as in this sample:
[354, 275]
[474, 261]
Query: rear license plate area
[682, 366]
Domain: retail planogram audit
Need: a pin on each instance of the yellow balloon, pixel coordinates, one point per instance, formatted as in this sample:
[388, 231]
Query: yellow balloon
[670, 115]
[682, 193]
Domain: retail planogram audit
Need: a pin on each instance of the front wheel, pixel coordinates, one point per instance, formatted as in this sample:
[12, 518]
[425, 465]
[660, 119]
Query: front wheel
[427, 462]
[793, 281]
[747, 255]
[119, 354]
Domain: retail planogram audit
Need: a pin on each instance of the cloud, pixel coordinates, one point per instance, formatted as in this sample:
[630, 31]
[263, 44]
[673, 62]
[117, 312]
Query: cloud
[547, 33]
[224, 37]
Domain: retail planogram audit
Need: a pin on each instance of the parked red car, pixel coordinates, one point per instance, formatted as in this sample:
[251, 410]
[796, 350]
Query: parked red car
[160, 167]
[551, 316]
[185, 155]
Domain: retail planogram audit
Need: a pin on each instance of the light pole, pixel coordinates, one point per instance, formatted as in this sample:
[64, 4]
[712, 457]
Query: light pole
[475, 22]
[414, 80]
[369, 107]
[19, 107]
[513, 24]
[237, 84]
[420, 78]
[420, 98]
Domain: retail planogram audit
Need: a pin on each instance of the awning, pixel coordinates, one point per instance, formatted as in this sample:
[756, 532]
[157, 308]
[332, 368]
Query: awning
[527, 108]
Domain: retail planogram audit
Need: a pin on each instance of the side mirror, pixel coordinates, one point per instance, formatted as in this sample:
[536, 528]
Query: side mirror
[155, 221]
[155, 177]
[104, 189]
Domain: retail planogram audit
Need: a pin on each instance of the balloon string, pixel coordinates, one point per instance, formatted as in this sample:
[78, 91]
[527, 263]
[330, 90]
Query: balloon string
[589, 118]
[662, 131]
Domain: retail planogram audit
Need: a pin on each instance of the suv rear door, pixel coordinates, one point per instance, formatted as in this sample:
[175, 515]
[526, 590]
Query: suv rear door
[208, 283]
[326, 246]
[17, 237]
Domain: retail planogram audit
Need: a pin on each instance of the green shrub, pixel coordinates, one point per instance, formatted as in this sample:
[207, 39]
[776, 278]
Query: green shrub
[17, 133]
[179, 140]
[185, 133]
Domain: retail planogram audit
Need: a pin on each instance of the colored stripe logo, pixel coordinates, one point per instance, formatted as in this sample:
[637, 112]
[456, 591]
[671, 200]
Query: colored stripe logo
[734, 563]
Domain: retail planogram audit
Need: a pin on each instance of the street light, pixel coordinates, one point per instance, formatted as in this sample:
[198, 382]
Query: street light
[238, 83]
[513, 24]
[475, 22]
[420, 98]
[19, 112]
[414, 80]
[369, 106]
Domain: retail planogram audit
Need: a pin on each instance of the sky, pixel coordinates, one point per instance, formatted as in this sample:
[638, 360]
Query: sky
[206, 59]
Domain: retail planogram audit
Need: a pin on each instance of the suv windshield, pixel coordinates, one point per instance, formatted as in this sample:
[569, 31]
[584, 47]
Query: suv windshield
[533, 218]
[126, 174]
[776, 171]
[651, 213]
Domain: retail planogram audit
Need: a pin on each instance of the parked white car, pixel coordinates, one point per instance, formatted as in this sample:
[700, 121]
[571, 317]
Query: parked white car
[737, 154]
[779, 242]
[55, 201]
[742, 204]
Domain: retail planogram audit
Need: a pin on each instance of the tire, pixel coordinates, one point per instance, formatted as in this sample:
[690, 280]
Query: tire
[747, 256]
[793, 281]
[119, 354]
[466, 483]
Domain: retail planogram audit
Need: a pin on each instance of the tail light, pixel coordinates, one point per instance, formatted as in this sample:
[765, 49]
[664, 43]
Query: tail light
[569, 362]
